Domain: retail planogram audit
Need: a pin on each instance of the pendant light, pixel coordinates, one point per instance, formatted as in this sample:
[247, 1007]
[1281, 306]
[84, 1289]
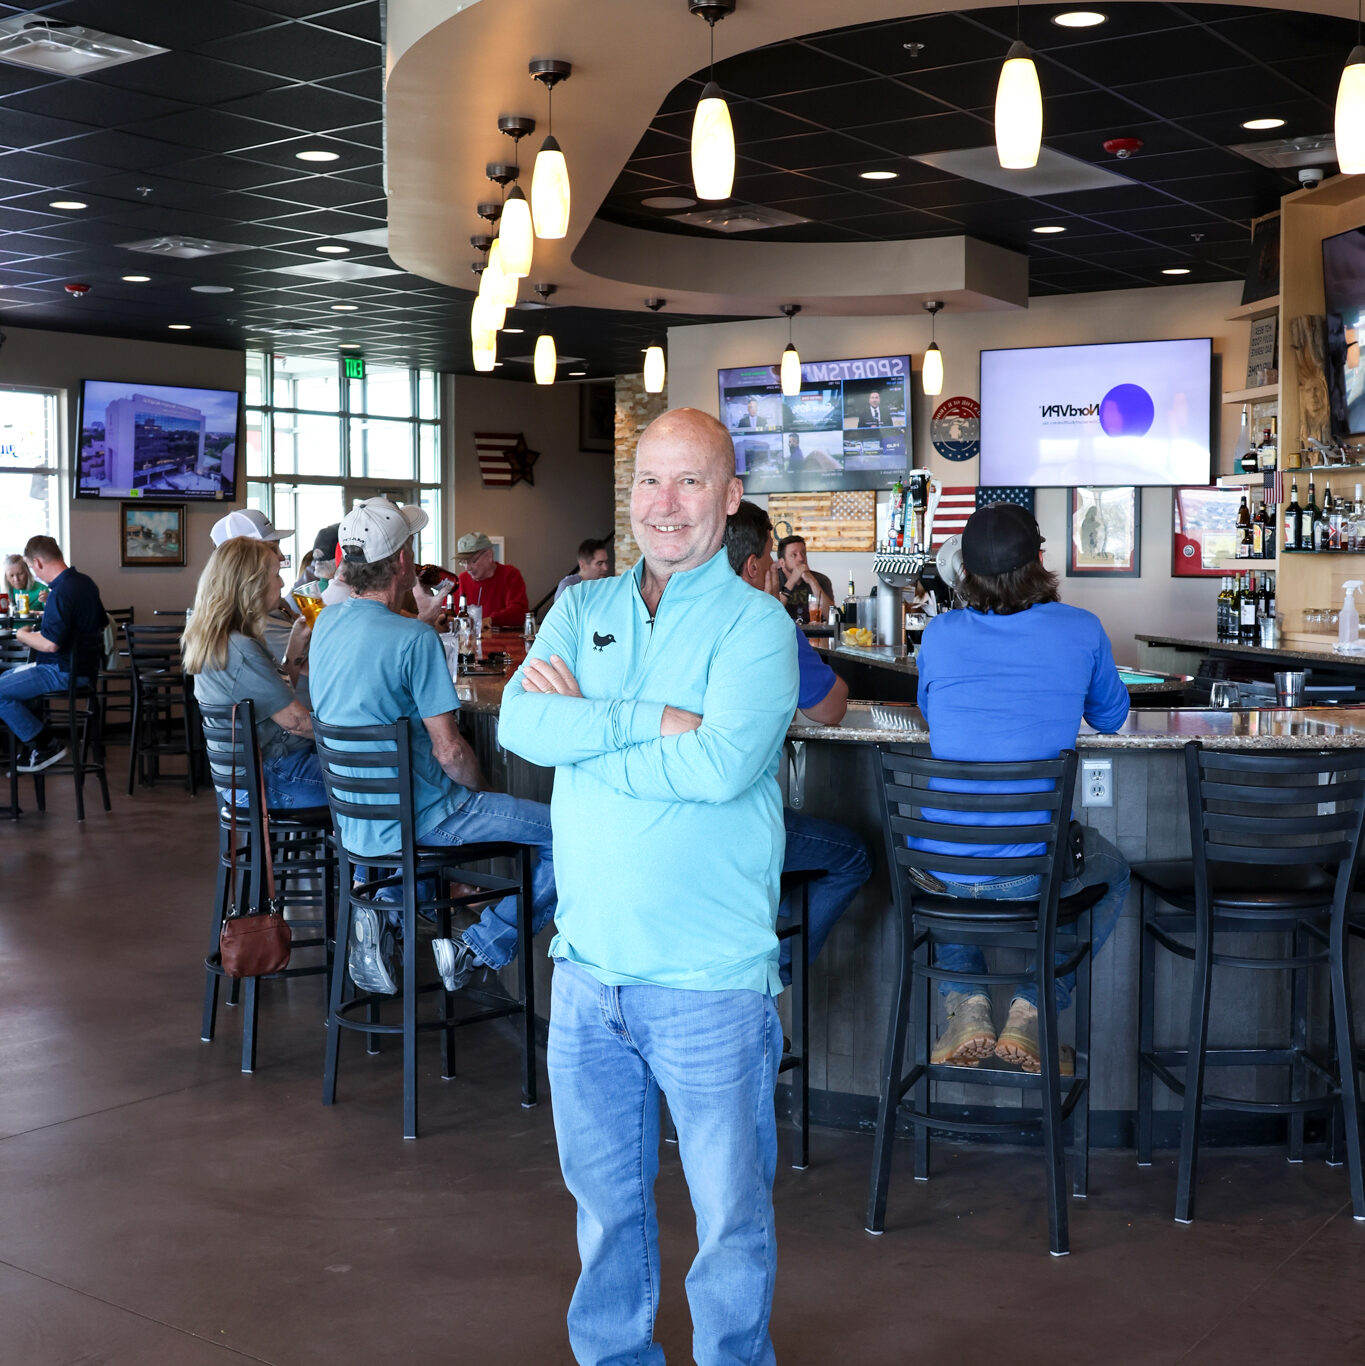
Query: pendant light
[546, 364]
[1018, 106]
[932, 375]
[502, 285]
[550, 179]
[790, 373]
[713, 135]
[486, 352]
[516, 233]
[1350, 120]
[656, 368]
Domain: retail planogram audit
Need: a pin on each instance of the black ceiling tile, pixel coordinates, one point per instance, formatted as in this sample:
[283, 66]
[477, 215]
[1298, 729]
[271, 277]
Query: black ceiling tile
[1203, 161]
[885, 227]
[323, 192]
[1110, 200]
[779, 69]
[14, 79]
[184, 76]
[1178, 97]
[229, 172]
[810, 150]
[675, 168]
[971, 85]
[1288, 36]
[1194, 51]
[655, 142]
[1094, 111]
[947, 39]
[752, 120]
[683, 96]
[1303, 119]
[856, 102]
[360, 21]
[986, 220]
[18, 129]
[299, 52]
[632, 183]
[366, 85]
[176, 26]
[1122, 21]
[308, 108]
[955, 192]
[1243, 208]
[112, 148]
[369, 134]
[324, 223]
[937, 133]
[1214, 235]
[1173, 216]
[207, 130]
[824, 207]
[98, 106]
[284, 154]
[24, 220]
[1158, 139]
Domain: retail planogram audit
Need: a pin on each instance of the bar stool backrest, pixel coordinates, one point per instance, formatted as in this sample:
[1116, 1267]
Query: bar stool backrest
[12, 654]
[154, 648]
[234, 757]
[1041, 787]
[1282, 809]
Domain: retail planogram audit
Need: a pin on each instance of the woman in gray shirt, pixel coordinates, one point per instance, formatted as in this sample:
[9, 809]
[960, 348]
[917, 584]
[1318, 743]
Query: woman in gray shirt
[224, 649]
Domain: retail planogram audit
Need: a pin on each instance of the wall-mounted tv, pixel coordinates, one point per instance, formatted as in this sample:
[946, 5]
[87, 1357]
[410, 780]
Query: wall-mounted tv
[1343, 288]
[847, 429]
[1097, 415]
[156, 441]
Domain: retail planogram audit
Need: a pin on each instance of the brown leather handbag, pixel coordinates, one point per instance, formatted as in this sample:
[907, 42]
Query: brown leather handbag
[256, 941]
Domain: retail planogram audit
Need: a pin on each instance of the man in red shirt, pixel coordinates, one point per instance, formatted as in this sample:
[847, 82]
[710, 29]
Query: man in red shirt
[498, 588]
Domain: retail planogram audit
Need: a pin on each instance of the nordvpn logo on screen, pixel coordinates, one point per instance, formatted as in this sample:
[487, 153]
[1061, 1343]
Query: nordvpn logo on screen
[1127, 410]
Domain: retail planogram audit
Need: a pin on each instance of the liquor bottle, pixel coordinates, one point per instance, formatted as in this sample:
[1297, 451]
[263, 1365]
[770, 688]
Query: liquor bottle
[1270, 547]
[1225, 608]
[1309, 532]
[1293, 519]
[1270, 604]
[1258, 536]
[1249, 462]
[1268, 455]
[851, 605]
[1246, 633]
[1244, 542]
[1331, 521]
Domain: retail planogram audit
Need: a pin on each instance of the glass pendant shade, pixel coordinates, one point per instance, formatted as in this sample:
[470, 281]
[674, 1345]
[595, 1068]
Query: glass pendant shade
[1018, 111]
[517, 236]
[486, 316]
[1350, 120]
[713, 146]
[485, 351]
[502, 287]
[932, 377]
[546, 361]
[656, 370]
[550, 191]
[791, 372]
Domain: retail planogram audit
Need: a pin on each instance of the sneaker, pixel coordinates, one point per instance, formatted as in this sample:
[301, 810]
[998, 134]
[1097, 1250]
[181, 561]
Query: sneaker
[40, 757]
[970, 1035]
[455, 962]
[370, 952]
[1018, 1042]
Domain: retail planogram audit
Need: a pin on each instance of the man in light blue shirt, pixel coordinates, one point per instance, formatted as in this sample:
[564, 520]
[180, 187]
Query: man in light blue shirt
[642, 692]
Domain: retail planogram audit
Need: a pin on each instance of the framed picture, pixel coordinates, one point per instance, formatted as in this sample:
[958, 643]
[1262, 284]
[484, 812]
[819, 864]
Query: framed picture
[1203, 530]
[152, 534]
[597, 416]
[1104, 533]
[1263, 265]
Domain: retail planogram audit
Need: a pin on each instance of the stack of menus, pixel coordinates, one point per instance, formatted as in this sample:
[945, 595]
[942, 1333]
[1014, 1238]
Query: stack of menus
[846, 429]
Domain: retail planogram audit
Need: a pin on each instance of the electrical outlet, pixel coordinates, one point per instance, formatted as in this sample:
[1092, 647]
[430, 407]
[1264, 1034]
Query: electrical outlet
[1097, 782]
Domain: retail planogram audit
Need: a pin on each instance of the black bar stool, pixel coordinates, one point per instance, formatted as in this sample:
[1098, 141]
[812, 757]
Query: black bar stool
[76, 712]
[367, 771]
[1274, 839]
[1045, 925]
[796, 886]
[163, 721]
[305, 869]
[12, 656]
[116, 679]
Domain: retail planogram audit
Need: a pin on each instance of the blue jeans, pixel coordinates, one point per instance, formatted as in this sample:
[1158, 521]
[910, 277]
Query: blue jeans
[714, 1055]
[813, 843]
[18, 686]
[486, 816]
[291, 780]
[1103, 863]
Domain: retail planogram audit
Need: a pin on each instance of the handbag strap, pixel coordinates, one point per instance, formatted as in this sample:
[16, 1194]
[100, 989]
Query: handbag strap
[265, 825]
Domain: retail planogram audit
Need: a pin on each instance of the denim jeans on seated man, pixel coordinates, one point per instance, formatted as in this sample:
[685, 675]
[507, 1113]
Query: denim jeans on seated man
[291, 780]
[813, 843]
[613, 1050]
[1103, 863]
[22, 684]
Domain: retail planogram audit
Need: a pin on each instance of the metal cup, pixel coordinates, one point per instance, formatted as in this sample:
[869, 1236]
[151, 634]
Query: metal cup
[1289, 687]
[1224, 695]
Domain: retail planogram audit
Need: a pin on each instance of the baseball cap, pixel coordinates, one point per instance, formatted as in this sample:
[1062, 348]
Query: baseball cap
[325, 542]
[471, 543]
[246, 522]
[377, 529]
[999, 537]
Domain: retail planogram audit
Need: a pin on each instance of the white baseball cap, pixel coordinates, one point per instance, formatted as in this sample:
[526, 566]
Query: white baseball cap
[377, 528]
[246, 522]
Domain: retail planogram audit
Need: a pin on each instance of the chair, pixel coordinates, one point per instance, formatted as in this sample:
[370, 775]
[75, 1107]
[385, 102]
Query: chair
[12, 655]
[76, 710]
[796, 885]
[1046, 924]
[305, 867]
[116, 679]
[163, 721]
[1274, 841]
[368, 775]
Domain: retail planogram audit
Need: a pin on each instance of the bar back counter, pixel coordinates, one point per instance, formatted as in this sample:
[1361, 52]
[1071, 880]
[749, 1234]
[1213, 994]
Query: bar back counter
[832, 772]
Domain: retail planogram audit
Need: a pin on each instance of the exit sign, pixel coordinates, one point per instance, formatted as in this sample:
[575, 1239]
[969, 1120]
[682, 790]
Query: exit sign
[355, 366]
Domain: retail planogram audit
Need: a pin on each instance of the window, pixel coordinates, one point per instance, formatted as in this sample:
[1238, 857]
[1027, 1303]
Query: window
[318, 443]
[32, 492]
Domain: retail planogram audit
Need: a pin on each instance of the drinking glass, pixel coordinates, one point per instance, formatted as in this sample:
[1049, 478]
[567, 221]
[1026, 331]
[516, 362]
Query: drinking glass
[1223, 695]
[309, 606]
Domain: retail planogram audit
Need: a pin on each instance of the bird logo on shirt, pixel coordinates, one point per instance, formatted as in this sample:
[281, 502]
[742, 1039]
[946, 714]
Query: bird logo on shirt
[601, 642]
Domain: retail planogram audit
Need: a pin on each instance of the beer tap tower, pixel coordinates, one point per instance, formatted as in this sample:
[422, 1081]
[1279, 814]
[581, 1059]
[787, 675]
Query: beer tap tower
[897, 569]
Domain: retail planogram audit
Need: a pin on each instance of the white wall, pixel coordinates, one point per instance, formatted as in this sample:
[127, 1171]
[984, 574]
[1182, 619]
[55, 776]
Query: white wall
[572, 496]
[1156, 601]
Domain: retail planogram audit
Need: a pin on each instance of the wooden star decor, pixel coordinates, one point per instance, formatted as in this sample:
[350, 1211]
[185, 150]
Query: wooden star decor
[505, 459]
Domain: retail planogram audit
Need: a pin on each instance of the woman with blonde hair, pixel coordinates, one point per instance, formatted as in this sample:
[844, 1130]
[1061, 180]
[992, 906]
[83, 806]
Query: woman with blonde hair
[224, 648]
[19, 578]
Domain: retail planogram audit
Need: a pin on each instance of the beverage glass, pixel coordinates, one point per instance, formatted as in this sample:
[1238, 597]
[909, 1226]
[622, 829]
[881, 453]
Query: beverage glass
[1223, 695]
[475, 619]
[1289, 687]
[309, 606]
[528, 628]
[466, 635]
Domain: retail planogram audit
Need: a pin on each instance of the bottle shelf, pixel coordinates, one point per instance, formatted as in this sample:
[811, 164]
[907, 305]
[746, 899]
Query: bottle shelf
[1257, 394]
[1288, 551]
[1243, 481]
[1260, 309]
[1226, 564]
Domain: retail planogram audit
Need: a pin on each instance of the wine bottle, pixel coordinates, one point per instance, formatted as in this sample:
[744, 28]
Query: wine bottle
[1293, 519]
[1309, 533]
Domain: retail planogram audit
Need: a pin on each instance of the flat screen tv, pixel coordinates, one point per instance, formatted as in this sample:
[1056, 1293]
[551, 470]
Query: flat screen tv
[1343, 288]
[847, 429]
[1096, 415]
[156, 441]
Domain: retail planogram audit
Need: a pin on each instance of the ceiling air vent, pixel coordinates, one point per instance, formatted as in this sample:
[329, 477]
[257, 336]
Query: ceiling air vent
[1287, 154]
[182, 248]
[66, 49]
[738, 218]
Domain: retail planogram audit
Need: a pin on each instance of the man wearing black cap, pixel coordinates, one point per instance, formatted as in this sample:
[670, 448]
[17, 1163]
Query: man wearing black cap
[1011, 677]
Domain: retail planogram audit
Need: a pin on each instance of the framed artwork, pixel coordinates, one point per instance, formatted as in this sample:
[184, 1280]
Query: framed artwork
[597, 416]
[1203, 530]
[1263, 265]
[152, 534]
[1104, 533]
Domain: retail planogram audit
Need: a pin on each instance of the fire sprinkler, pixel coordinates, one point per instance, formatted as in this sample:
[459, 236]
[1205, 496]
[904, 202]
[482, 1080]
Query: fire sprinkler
[1123, 148]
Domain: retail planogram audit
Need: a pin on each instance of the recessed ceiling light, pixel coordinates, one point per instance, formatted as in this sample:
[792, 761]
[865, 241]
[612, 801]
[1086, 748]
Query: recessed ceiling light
[137, 279]
[179, 327]
[575, 374]
[497, 365]
[668, 201]
[878, 175]
[1079, 18]
[1256, 125]
[1176, 270]
[350, 346]
[68, 204]
[210, 289]
[345, 308]
[318, 155]
[1050, 227]
[514, 331]
[333, 249]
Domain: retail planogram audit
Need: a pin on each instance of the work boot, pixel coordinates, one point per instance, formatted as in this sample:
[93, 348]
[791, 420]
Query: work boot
[970, 1035]
[1018, 1043]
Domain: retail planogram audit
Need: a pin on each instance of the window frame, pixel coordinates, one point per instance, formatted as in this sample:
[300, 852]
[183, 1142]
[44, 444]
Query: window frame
[61, 470]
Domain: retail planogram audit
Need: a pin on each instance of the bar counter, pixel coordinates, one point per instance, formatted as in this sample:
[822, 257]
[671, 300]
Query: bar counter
[1297, 652]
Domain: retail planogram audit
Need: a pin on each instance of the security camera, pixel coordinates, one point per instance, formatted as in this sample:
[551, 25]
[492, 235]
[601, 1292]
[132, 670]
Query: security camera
[1310, 176]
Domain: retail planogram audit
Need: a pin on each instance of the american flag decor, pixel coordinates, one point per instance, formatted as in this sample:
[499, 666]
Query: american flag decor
[956, 504]
[504, 459]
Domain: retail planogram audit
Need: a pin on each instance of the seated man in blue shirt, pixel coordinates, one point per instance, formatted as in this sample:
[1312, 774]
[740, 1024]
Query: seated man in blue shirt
[1011, 677]
[823, 697]
[73, 617]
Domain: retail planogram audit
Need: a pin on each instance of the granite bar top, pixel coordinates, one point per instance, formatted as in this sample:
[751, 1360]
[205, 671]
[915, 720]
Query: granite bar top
[1308, 654]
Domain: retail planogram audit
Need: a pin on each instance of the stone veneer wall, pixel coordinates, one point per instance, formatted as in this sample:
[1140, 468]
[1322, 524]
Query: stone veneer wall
[635, 410]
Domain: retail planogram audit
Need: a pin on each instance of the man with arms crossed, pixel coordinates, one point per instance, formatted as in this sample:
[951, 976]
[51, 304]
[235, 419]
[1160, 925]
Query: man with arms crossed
[641, 691]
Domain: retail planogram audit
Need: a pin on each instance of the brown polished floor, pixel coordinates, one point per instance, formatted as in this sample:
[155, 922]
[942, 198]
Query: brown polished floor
[156, 1206]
